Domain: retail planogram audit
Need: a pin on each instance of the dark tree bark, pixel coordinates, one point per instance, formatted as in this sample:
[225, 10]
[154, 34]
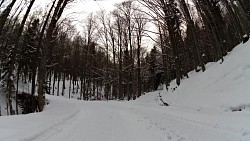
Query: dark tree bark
[140, 27]
[209, 25]
[42, 65]
[194, 34]
[13, 56]
[2, 3]
[236, 22]
[58, 83]
[4, 15]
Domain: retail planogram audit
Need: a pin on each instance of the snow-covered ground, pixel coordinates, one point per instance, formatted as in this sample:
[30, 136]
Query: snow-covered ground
[209, 106]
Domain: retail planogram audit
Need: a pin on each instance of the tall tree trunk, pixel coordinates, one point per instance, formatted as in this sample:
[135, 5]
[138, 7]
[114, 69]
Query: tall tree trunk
[114, 89]
[17, 87]
[132, 84]
[138, 66]
[41, 70]
[1, 7]
[165, 56]
[4, 15]
[49, 40]
[194, 34]
[236, 22]
[170, 21]
[240, 15]
[14, 52]
[120, 73]
[210, 25]
[107, 81]
[245, 5]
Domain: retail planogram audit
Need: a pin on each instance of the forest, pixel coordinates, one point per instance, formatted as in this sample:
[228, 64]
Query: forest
[112, 53]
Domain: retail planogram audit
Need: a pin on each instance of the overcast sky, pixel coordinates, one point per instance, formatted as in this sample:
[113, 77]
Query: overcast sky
[79, 9]
[83, 6]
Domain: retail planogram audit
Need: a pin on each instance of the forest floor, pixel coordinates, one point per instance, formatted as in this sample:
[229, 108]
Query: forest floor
[209, 106]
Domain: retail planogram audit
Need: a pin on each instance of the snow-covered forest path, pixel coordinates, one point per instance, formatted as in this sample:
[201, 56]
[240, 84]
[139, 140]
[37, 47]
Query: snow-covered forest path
[209, 106]
[74, 120]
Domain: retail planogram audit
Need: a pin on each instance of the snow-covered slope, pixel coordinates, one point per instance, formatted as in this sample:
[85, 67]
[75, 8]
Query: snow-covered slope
[204, 107]
[221, 86]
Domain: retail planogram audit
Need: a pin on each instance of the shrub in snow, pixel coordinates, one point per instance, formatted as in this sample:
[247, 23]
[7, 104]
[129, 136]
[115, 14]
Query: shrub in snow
[245, 38]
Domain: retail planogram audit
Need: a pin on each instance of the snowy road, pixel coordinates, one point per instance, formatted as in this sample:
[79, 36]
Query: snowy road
[72, 120]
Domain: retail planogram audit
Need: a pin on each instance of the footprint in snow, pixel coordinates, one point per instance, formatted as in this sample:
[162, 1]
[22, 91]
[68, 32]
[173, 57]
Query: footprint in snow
[169, 137]
[245, 133]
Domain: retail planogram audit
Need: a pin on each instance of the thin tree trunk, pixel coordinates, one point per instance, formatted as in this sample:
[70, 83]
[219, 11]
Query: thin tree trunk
[73, 82]
[63, 87]
[5, 14]
[164, 57]
[107, 83]
[120, 76]
[120, 67]
[70, 86]
[33, 81]
[54, 81]
[58, 83]
[88, 88]
[1, 7]
[84, 85]
[97, 90]
[17, 87]
[94, 86]
[50, 81]
[114, 89]
[81, 93]
[7, 107]
[138, 67]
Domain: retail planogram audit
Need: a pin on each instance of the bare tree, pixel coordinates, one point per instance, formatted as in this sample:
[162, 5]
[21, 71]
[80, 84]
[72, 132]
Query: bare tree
[119, 34]
[140, 22]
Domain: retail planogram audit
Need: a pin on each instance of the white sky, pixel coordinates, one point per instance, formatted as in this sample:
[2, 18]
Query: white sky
[83, 7]
[79, 9]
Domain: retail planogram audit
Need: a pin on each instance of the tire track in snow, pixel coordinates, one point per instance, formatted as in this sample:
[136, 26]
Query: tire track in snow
[181, 128]
[52, 130]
